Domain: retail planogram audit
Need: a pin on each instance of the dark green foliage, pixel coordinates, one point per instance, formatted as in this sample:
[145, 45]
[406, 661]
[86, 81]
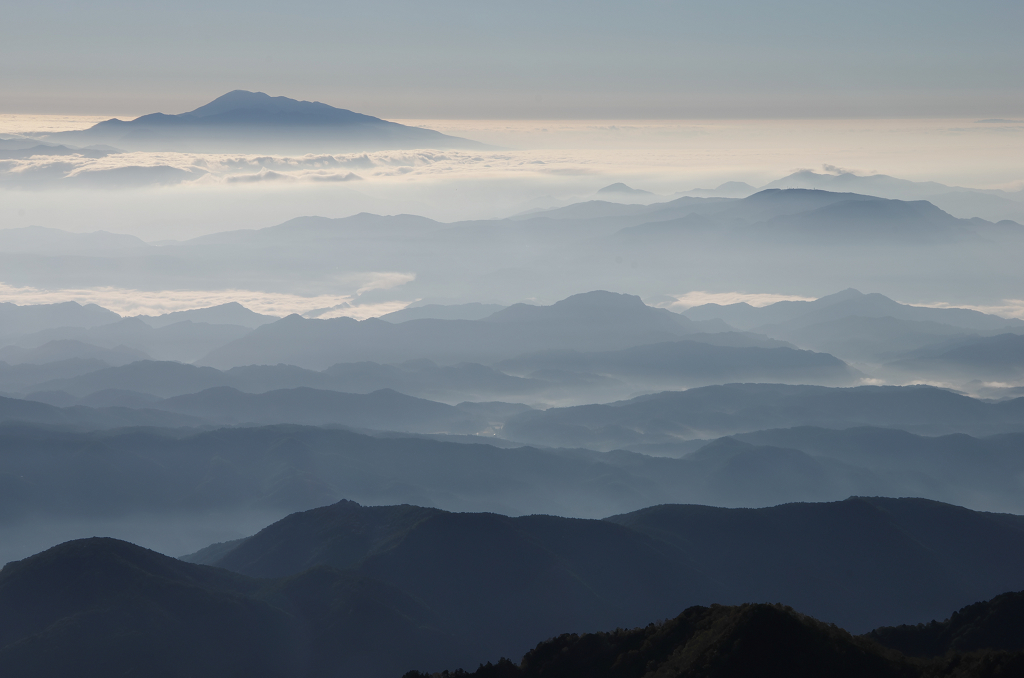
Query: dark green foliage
[746, 641]
[715, 642]
[993, 624]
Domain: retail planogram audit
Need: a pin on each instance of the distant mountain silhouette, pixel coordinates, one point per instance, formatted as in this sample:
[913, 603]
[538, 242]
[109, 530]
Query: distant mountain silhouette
[159, 378]
[165, 379]
[872, 339]
[53, 241]
[231, 313]
[184, 340]
[253, 122]
[714, 411]
[13, 410]
[954, 468]
[880, 185]
[595, 320]
[999, 358]
[69, 463]
[623, 189]
[814, 218]
[857, 220]
[787, 315]
[721, 243]
[66, 349]
[775, 217]
[385, 409]
[730, 189]
[25, 377]
[680, 364]
[17, 320]
[964, 202]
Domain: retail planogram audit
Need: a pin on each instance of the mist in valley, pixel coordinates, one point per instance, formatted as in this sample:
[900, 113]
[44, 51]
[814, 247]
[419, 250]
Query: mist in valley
[416, 371]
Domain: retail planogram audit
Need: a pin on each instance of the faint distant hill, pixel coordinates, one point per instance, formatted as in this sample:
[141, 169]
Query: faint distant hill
[253, 122]
[730, 189]
[999, 359]
[66, 349]
[994, 205]
[16, 411]
[856, 220]
[60, 463]
[53, 241]
[231, 313]
[24, 377]
[183, 340]
[774, 240]
[814, 218]
[590, 321]
[29, 318]
[682, 364]
[383, 410]
[422, 378]
[880, 185]
[780, 217]
[714, 411]
[865, 327]
[623, 189]
[790, 315]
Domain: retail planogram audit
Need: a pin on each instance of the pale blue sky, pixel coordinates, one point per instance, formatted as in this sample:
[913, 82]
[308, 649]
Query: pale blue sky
[462, 59]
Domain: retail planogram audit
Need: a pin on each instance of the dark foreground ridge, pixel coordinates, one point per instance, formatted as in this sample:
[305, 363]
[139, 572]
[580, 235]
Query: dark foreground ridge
[103, 607]
[374, 591]
[504, 582]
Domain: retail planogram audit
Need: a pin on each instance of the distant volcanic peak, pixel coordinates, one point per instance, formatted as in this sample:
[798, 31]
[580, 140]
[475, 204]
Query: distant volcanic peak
[623, 188]
[242, 107]
[255, 122]
[730, 185]
[242, 100]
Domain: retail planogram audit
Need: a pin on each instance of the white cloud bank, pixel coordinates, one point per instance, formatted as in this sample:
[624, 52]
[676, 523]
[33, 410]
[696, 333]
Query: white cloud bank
[1010, 308]
[698, 298]
[130, 302]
